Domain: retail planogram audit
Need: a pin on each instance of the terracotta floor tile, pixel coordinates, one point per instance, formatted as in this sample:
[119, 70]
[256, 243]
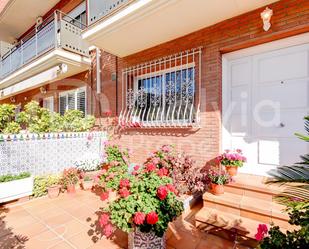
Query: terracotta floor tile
[62, 245]
[69, 229]
[58, 220]
[181, 239]
[214, 242]
[43, 240]
[81, 240]
[19, 221]
[31, 230]
[12, 241]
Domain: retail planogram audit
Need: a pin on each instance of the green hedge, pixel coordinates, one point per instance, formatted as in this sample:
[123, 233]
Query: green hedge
[9, 177]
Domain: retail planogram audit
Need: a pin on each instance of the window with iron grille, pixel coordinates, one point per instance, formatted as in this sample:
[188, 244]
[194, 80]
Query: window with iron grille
[163, 93]
[73, 100]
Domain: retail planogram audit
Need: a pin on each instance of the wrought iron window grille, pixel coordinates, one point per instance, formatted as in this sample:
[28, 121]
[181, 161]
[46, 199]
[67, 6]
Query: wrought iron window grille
[163, 93]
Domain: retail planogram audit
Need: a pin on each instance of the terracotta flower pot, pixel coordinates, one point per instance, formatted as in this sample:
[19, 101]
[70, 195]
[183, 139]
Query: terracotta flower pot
[231, 170]
[87, 185]
[217, 189]
[53, 191]
[71, 189]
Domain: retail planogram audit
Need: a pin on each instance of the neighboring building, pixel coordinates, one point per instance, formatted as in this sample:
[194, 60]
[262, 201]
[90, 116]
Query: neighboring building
[203, 75]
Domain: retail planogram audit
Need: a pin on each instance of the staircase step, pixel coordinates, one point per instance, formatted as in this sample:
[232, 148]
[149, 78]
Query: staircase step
[243, 226]
[247, 207]
[253, 186]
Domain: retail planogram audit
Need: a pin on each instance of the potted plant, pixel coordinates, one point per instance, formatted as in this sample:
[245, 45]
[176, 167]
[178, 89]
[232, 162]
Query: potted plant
[232, 160]
[188, 179]
[53, 191]
[217, 181]
[70, 178]
[46, 185]
[15, 186]
[87, 182]
[145, 205]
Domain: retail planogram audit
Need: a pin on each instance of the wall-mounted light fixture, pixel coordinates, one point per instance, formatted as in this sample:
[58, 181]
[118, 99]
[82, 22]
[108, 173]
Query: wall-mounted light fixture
[266, 16]
[43, 89]
[12, 99]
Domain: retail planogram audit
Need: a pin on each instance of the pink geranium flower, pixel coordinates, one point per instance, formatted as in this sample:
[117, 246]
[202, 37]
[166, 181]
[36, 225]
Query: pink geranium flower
[108, 230]
[124, 192]
[104, 219]
[124, 183]
[162, 192]
[104, 196]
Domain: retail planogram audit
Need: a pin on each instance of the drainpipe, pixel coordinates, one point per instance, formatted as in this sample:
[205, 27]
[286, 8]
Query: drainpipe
[116, 85]
[98, 70]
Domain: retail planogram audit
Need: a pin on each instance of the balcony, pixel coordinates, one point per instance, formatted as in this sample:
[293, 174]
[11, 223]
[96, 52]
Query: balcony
[124, 27]
[55, 43]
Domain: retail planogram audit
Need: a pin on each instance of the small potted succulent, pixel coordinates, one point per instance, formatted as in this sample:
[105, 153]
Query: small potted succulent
[146, 202]
[70, 178]
[232, 160]
[217, 180]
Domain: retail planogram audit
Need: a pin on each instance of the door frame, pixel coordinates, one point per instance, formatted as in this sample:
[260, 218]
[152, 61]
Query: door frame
[263, 48]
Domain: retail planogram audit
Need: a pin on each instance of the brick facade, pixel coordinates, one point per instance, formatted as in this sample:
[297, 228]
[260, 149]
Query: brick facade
[291, 17]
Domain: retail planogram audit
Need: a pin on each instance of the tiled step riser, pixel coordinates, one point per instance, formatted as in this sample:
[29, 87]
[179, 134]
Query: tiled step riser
[248, 192]
[246, 213]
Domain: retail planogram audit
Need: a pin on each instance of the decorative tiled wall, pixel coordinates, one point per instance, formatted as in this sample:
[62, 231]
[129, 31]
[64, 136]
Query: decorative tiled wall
[48, 153]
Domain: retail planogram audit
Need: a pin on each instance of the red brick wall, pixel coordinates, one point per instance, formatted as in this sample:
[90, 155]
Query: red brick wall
[290, 17]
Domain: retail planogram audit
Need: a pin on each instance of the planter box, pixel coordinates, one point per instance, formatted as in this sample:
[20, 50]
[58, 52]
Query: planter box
[139, 240]
[16, 189]
[189, 200]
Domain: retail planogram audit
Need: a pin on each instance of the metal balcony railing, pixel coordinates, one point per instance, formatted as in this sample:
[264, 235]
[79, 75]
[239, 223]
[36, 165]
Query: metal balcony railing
[97, 9]
[56, 31]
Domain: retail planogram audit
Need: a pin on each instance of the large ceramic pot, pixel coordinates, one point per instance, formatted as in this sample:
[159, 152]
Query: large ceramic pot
[87, 185]
[231, 170]
[71, 189]
[217, 189]
[53, 191]
[139, 240]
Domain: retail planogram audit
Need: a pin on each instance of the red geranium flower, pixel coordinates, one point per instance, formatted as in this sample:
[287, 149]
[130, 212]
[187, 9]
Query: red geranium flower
[150, 167]
[108, 230]
[124, 183]
[152, 218]
[162, 192]
[104, 219]
[124, 192]
[104, 196]
[171, 188]
[139, 218]
[163, 172]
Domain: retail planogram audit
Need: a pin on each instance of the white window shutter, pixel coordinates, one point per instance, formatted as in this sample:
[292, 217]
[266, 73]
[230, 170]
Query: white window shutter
[81, 101]
[62, 104]
[71, 101]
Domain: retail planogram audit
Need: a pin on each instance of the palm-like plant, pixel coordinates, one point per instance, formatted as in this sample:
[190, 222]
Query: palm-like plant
[295, 176]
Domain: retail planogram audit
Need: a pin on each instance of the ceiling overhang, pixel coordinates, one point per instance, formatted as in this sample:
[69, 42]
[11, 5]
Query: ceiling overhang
[18, 16]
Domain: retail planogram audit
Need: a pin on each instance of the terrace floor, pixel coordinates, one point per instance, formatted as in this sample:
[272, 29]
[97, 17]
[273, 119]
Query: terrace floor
[69, 222]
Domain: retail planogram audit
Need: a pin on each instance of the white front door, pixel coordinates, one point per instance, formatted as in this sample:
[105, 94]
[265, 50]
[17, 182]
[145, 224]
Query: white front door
[265, 98]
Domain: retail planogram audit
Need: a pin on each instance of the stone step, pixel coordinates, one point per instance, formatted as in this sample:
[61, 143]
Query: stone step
[227, 221]
[253, 186]
[263, 211]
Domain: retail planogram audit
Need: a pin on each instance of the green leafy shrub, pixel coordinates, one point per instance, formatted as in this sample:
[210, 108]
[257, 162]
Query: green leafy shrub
[114, 153]
[40, 120]
[9, 177]
[12, 128]
[7, 115]
[298, 238]
[146, 201]
[74, 120]
[41, 183]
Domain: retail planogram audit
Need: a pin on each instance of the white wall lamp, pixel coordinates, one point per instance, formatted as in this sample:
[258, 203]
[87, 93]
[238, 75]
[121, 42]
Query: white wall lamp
[266, 16]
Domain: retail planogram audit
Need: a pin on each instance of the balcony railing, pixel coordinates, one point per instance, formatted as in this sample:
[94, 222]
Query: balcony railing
[98, 9]
[57, 31]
